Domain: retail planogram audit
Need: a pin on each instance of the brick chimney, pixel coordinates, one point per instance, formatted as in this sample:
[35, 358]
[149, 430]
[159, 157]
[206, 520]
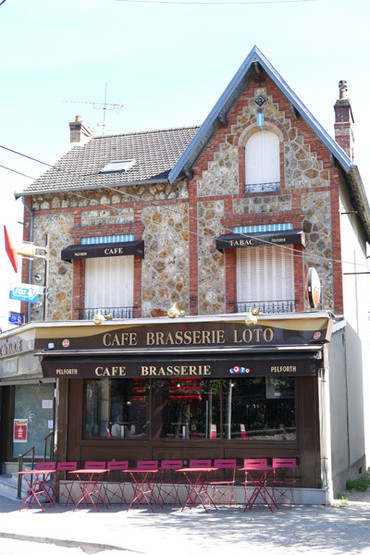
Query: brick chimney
[79, 132]
[344, 120]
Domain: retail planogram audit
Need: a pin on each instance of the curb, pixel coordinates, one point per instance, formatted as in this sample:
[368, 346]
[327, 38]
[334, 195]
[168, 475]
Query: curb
[86, 547]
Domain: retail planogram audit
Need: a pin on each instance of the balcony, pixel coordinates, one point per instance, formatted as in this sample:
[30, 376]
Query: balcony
[262, 187]
[110, 312]
[267, 307]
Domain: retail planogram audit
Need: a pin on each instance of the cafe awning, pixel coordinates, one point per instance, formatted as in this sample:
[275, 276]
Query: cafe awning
[241, 240]
[241, 365]
[125, 248]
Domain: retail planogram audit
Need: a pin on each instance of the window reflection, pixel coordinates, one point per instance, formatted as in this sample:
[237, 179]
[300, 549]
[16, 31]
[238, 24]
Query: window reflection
[191, 408]
[261, 409]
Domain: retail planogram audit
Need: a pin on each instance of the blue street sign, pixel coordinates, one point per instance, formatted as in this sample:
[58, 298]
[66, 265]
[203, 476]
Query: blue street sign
[25, 292]
[16, 318]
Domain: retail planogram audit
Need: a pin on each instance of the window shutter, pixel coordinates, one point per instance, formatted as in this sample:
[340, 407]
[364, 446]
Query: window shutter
[262, 158]
[265, 274]
[109, 282]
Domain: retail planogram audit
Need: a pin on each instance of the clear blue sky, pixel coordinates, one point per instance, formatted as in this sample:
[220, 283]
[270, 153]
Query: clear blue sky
[167, 63]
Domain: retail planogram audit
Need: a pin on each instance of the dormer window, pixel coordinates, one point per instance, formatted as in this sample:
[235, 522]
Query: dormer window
[262, 162]
[118, 166]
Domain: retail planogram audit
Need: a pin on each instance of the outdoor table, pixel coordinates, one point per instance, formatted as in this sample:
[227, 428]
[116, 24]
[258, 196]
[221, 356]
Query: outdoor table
[36, 487]
[142, 486]
[197, 479]
[89, 479]
[258, 478]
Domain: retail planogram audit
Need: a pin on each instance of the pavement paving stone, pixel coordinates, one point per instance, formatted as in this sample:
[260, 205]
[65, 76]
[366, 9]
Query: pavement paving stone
[341, 528]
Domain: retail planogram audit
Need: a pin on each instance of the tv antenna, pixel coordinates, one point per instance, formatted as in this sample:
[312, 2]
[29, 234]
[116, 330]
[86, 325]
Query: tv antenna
[101, 106]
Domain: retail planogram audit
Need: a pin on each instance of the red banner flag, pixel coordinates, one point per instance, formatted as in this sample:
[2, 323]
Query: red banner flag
[10, 250]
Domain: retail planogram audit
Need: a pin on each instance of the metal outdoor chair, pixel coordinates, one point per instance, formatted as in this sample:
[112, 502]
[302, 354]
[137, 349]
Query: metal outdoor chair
[49, 485]
[62, 478]
[283, 480]
[223, 489]
[168, 483]
[255, 484]
[117, 484]
[200, 463]
[97, 465]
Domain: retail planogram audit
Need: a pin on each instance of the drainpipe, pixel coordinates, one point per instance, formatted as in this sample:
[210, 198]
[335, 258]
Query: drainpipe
[30, 267]
[325, 428]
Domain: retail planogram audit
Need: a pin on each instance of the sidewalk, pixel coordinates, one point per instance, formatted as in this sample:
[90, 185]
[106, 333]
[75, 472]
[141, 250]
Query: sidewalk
[339, 529]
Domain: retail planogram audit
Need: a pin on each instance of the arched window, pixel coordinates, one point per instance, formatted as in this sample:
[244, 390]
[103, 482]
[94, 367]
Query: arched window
[262, 162]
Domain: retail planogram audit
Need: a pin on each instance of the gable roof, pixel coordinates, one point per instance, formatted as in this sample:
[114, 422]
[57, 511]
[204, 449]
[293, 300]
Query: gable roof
[167, 155]
[232, 92]
[154, 152]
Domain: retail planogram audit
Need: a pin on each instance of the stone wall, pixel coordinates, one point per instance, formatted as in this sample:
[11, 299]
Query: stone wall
[302, 171]
[165, 270]
[165, 275]
[56, 229]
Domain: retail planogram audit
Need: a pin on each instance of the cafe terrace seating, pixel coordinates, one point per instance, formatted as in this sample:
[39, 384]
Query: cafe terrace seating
[169, 485]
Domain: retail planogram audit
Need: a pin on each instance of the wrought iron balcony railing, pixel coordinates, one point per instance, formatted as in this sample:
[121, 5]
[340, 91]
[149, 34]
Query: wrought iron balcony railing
[262, 187]
[267, 307]
[110, 312]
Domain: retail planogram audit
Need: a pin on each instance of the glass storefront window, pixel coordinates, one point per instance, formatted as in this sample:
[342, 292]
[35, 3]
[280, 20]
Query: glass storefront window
[34, 406]
[191, 408]
[117, 408]
[260, 409]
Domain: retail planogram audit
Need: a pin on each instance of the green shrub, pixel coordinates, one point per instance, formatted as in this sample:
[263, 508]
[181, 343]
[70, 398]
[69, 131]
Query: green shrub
[362, 484]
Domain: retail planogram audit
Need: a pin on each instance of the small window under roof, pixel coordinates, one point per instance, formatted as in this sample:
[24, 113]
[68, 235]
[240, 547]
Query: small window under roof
[118, 166]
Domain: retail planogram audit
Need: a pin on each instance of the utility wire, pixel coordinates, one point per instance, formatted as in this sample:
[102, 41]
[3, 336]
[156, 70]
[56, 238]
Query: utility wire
[201, 3]
[15, 171]
[25, 156]
[158, 204]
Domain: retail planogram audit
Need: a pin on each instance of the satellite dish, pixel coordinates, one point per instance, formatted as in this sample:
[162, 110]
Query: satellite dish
[313, 288]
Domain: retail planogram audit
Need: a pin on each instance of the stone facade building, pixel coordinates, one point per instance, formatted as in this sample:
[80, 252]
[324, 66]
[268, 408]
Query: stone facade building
[221, 227]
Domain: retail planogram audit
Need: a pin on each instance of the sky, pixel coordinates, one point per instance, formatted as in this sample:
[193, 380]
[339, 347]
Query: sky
[159, 64]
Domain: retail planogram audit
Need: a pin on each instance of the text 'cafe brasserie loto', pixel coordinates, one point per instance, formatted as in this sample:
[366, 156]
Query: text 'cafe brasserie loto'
[194, 387]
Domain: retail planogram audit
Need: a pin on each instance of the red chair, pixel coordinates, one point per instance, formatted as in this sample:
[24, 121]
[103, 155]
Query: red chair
[200, 463]
[143, 488]
[223, 489]
[283, 480]
[197, 483]
[63, 467]
[168, 484]
[255, 483]
[49, 484]
[147, 465]
[115, 488]
[99, 465]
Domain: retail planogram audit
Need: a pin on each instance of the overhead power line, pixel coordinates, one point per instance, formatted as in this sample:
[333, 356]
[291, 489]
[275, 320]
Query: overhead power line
[212, 3]
[15, 171]
[25, 156]
[158, 204]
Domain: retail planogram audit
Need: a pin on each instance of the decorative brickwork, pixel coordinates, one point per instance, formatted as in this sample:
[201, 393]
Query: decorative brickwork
[181, 261]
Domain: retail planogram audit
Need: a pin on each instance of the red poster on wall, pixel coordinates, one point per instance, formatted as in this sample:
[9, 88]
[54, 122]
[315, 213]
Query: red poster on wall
[20, 430]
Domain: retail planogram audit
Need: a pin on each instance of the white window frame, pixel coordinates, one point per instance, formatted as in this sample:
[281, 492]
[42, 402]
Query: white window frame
[265, 275]
[109, 282]
[262, 162]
